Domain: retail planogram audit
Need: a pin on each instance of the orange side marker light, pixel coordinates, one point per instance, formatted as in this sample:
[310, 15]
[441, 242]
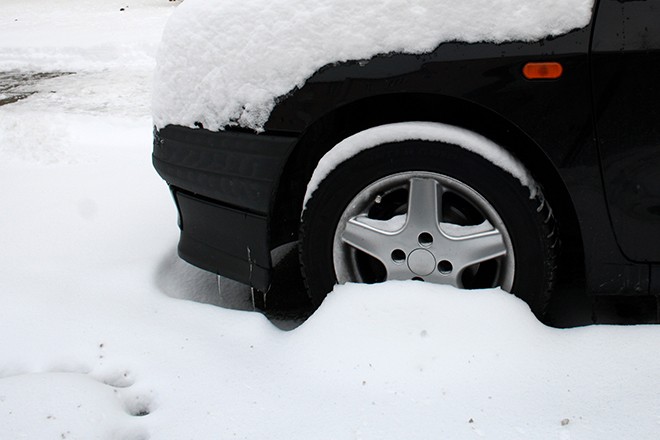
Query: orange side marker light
[543, 70]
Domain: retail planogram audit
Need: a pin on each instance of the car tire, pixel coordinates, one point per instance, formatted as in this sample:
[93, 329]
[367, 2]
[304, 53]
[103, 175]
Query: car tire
[428, 211]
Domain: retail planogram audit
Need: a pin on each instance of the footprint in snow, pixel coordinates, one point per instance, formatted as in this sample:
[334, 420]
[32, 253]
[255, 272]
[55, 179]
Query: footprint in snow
[99, 404]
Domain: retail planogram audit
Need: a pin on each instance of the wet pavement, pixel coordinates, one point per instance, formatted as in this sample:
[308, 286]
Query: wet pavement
[15, 85]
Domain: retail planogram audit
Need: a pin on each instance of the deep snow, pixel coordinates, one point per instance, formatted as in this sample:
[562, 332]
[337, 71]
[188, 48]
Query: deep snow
[97, 340]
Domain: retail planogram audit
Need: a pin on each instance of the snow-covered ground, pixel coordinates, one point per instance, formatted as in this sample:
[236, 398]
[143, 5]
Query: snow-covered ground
[99, 338]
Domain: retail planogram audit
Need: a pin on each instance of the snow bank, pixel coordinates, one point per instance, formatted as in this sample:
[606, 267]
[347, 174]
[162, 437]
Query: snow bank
[226, 62]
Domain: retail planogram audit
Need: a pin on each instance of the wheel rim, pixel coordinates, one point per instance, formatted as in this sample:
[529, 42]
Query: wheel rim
[424, 226]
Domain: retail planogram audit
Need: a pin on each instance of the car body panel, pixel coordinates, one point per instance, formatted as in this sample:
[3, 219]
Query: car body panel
[626, 84]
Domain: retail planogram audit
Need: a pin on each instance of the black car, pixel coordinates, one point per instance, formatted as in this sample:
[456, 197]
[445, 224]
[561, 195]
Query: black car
[534, 159]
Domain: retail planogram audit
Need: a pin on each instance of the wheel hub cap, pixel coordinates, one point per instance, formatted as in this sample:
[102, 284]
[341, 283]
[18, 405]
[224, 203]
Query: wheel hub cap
[421, 262]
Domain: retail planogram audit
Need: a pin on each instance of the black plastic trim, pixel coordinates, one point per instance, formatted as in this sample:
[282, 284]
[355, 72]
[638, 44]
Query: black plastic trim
[223, 240]
[236, 168]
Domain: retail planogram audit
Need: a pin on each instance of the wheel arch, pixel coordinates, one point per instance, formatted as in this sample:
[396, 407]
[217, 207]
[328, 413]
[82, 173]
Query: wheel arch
[344, 121]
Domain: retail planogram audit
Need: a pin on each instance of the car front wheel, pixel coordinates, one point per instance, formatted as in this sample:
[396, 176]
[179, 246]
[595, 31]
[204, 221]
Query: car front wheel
[432, 212]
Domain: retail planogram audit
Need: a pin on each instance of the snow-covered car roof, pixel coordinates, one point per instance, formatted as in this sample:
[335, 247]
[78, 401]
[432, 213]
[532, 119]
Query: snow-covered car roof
[225, 63]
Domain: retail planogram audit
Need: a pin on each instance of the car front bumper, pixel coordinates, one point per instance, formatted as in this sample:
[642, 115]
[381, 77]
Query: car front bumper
[223, 185]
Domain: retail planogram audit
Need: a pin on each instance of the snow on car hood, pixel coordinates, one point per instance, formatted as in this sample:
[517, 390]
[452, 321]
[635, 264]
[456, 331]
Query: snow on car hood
[226, 62]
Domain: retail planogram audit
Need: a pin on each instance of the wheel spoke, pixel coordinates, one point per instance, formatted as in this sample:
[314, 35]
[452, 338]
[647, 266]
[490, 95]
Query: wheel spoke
[424, 203]
[477, 248]
[362, 234]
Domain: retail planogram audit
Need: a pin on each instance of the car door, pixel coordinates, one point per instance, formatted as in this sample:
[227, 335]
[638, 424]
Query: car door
[625, 66]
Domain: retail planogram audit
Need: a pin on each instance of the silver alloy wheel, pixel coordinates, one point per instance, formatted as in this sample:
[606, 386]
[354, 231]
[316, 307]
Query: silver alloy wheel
[425, 226]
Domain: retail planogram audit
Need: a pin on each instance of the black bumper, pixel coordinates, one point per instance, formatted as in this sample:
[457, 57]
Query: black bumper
[223, 184]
